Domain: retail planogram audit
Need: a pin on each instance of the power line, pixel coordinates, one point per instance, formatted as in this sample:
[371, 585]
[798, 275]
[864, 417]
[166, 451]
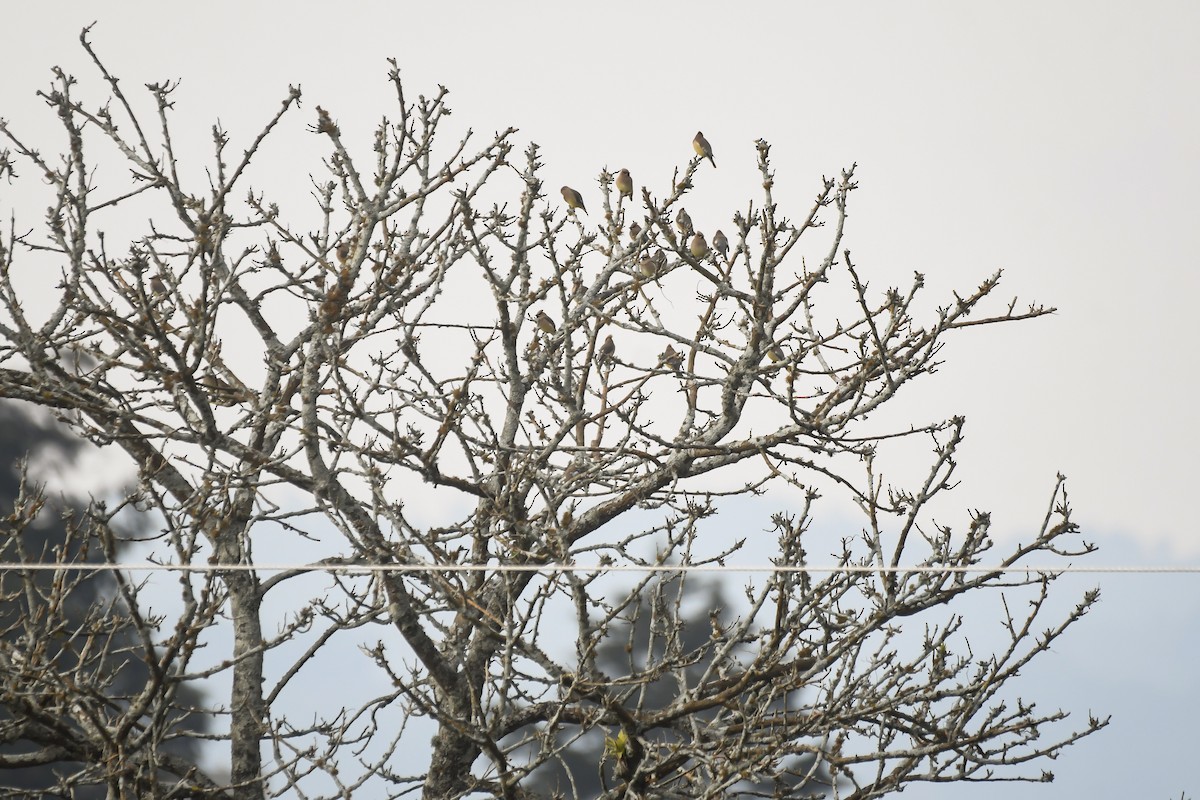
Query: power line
[364, 569]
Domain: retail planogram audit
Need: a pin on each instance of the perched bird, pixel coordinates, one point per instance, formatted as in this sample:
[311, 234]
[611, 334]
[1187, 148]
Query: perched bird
[683, 222]
[157, 286]
[703, 148]
[625, 183]
[607, 350]
[775, 353]
[635, 231]
[718, 630]
[698, 246]
[721, 244]
[648, 267]
[545, 323]
[221, 391]
[574, 199]
[671, 358]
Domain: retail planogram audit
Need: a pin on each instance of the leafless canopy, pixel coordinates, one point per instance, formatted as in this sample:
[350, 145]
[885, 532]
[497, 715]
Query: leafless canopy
[448, 368]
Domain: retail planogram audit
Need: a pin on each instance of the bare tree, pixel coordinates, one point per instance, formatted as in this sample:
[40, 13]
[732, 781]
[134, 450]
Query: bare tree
[422, 388]
[73, 621]
[633, 648]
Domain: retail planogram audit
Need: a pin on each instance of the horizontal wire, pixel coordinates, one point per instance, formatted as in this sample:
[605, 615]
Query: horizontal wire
[363, 569]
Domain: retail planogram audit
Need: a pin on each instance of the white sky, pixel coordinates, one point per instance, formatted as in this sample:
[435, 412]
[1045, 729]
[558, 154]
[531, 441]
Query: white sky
[1060, 141]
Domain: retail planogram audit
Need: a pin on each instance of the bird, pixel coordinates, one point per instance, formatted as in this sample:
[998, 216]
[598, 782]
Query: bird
[698, 246]
[574, 199]
[635, 231]
[607, 350]
[671, 358]
[721, 244]
[157, 286]
[545, 323]
[703, 148]
[625, 183]
[683, 222]
[718, 630]
[775, 352]
[221, 391]
[651, 266]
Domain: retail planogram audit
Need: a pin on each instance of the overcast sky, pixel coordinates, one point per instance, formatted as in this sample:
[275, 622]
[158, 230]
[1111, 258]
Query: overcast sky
[1058, 141]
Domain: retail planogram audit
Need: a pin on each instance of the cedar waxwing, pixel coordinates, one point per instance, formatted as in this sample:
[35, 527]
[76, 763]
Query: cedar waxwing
[625, 184]
[703, 148]
[635, 231]
[721, 244]
[683, 222]
[718, 630]
[219, 390]
[671, 358]
[574, 199]
[775, 353]
[648, 267]
[607, 350]
[157, 286]
[698, 247]
[545, 323]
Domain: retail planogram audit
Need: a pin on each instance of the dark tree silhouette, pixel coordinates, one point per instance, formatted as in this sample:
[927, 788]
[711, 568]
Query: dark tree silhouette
[699, 612]
[63, 635]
